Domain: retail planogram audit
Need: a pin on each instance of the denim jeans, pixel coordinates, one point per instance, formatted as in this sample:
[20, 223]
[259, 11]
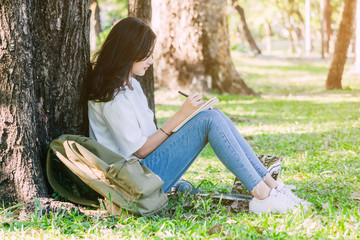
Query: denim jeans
[173, 157]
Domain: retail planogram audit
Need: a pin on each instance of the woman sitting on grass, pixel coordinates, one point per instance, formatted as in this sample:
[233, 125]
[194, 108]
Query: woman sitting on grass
[121, 120]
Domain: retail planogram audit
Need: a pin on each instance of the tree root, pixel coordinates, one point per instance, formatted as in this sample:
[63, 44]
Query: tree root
[43, 206]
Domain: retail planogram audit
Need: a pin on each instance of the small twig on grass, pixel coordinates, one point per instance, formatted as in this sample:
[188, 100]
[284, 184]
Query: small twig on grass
[241, 119]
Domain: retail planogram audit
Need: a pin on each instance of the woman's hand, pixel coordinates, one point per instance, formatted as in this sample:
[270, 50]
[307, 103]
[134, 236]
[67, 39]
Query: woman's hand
[191, 103]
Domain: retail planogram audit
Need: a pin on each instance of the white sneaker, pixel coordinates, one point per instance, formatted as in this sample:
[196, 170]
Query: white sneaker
[287, 190]
[278, 201]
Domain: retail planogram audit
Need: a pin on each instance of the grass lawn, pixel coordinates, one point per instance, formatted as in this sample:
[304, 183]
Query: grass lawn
[317, 132]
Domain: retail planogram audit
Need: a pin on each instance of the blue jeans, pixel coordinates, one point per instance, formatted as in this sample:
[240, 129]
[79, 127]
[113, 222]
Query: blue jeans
[173, 157]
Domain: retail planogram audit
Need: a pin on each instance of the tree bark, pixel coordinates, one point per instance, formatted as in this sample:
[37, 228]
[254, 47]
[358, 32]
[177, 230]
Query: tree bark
[301, 30]
[245, 28]
[192, 49]
[346, 31]
[268, 34]
[142, 9]
[327, 25]
[95, 23]
[94, 5]
[44, 55]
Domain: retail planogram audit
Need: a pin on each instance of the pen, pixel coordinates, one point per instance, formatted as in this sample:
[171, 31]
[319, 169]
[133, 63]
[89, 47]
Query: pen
[184, 94]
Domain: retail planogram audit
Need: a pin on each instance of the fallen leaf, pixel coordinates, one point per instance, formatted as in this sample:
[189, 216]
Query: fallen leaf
[259, 230]
[216, 229]
[355, 196]
[231, 221]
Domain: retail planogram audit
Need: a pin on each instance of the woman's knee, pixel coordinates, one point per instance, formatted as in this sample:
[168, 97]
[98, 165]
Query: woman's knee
[218, 111]
[212, 115]
[211, 118]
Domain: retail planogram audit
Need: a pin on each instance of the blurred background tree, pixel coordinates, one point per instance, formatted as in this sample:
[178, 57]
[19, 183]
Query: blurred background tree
[346, 32]
[244, 27]
[95, 28]
[189, 56]
[193, 47]
[109, 11]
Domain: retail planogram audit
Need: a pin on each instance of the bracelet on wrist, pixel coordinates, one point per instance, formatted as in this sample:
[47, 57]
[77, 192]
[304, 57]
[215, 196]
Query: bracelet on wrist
[164, 132]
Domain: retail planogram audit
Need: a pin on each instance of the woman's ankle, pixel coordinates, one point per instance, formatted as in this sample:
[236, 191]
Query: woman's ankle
[261, 191]
[268, 179]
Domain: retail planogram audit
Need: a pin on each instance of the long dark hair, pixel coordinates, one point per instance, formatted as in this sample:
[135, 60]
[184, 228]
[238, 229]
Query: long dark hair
[130, 40]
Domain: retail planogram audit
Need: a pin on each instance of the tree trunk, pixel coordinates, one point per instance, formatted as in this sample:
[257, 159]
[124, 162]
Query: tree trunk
[95, 23]
[346, 31]
[245, 28]
[95, 15]
[321, 20]
[290, 10]
[268, 34]
[327, 25]
[44, 56]
[192, 49]
[142, 9]
[301, 19]
[290, 29]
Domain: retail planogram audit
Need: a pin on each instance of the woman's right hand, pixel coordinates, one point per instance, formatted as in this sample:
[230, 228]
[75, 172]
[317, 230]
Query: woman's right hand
[191, 103]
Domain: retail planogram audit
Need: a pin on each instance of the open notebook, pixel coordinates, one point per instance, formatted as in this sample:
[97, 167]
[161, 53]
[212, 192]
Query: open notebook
[205, 106]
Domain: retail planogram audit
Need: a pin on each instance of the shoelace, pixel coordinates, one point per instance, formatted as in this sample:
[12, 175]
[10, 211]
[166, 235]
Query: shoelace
[291, 187]
[293, 196]
[285, 197]
[287, 190]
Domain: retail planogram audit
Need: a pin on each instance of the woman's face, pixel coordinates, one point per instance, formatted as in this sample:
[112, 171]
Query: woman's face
[139, 68]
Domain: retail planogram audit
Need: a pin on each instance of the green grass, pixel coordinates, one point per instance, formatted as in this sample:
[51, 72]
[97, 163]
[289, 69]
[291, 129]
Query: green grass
[316, 131]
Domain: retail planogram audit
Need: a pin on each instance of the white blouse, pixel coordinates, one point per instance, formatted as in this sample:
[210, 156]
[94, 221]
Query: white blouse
[123, 124]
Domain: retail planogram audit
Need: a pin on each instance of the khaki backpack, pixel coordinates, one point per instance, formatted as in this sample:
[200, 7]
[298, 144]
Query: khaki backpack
[124, 184]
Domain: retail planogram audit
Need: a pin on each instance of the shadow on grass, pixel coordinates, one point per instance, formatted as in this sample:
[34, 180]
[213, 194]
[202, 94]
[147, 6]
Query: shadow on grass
[318, 136]
[279, 111]
[324, 166]
[308, 68]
